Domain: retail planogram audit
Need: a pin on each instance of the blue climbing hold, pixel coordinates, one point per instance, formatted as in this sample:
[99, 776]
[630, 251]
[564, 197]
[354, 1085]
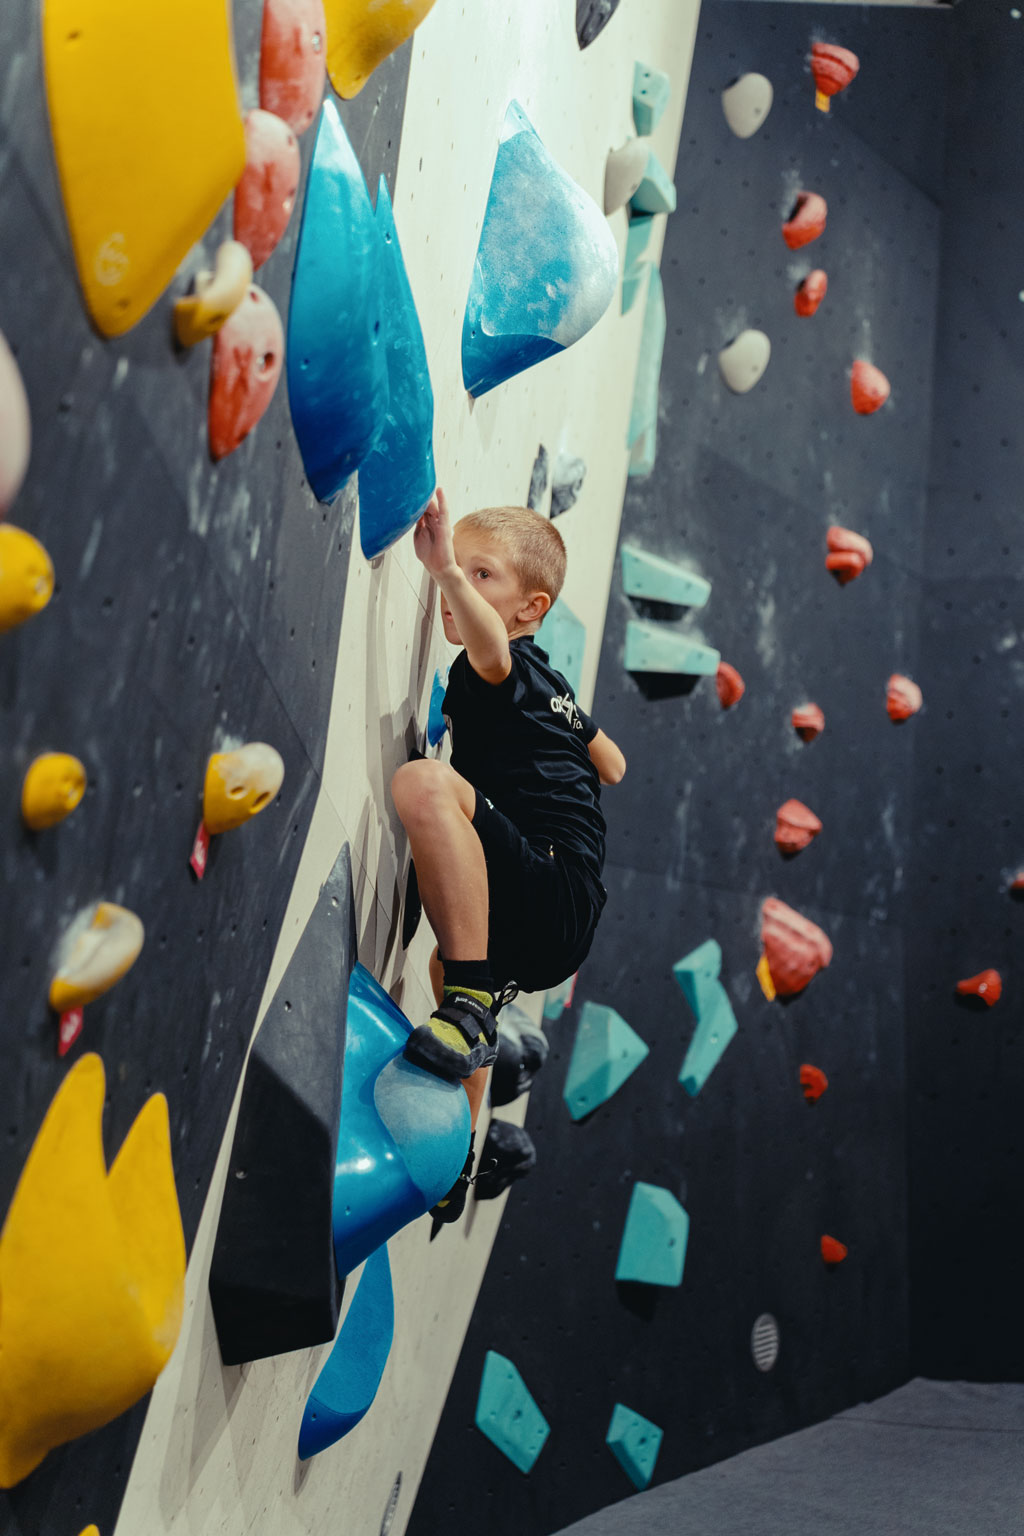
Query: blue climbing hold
[508, 1415]
[403, 1133]
[336, 353]
[396, 479]
[348, 1382]
[546, 266]
[607, 1051]
[564, 637]
[653, 1247]
[436, 722]
[697, 974]
[634, 1442]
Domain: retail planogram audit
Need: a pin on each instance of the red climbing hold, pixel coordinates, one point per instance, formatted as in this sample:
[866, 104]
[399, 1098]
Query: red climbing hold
[988, 985]
[729, 685]
[810, 292]
[807, 221]
[293, 50]
[248, 352]
[795, 826]
[833, 68]
[832, 1250]
[813, 1082]
[796, 949]
[808, 721]
[849, 554]
[903, 697]
[1017, 883]
[869, 387]
[265, 195]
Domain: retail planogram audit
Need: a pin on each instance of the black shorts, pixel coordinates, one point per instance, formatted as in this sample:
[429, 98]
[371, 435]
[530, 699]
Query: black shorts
[543, 906]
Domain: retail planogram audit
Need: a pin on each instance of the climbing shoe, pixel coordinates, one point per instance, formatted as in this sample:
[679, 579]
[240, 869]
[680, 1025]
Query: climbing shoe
[454, 1203]
[459, 1037]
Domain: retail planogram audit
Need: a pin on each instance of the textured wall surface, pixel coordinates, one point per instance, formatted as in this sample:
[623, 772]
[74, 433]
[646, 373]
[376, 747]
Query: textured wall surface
[744, 488]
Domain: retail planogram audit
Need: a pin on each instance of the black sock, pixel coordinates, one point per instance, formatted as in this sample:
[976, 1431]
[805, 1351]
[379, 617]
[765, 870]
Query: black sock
[468, 975]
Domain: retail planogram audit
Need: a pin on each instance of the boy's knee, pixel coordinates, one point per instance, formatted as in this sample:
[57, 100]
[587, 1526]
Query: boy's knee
[418, 787]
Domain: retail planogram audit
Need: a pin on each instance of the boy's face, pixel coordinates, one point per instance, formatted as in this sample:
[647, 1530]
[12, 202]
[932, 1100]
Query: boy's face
[489, 568]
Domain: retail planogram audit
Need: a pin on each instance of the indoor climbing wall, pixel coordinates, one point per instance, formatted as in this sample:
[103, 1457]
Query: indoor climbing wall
[720, 1175]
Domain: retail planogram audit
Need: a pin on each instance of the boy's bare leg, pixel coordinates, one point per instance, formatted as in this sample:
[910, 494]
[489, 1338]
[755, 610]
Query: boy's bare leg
[475, 1086]
[436, 806]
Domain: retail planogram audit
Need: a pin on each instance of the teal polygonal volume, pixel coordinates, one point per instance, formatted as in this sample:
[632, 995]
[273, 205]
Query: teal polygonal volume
[564, 637]
[607, 1051]
[656, 193]
[508, 1415]
[653, 1247]
[644, 410]
[651, 91]
[697, 974]
[634, 1442]
[655, 648]
[658, 580]
[557, 999]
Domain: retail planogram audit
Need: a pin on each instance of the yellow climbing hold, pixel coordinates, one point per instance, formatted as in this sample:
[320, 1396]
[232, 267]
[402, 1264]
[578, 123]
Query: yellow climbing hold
[217, 294]
[91, 1530]
[26, 576]
[240, 784]
[764, 976]
[361, 34]
[52, 787]
[92, 1274]
[148, 135]
[98, 948]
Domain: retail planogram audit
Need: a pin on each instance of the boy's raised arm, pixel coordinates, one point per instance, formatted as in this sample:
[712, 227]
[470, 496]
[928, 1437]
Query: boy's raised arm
[480, 628]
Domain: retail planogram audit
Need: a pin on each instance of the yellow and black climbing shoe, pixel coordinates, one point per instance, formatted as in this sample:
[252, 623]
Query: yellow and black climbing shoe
[459, 1037]
[454, 1203]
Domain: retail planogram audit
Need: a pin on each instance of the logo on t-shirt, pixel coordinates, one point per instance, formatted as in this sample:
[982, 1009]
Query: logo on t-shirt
[565, 704]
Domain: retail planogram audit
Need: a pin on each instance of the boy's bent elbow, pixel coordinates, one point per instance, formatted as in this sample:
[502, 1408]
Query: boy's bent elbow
[614, 772]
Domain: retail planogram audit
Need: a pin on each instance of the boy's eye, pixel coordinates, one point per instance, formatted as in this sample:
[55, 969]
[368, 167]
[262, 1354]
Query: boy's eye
[482, 572]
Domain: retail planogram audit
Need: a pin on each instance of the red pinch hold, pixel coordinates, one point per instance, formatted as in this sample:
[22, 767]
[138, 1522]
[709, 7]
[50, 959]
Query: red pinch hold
[903, 697]
[810, 293]
[248, 353]
[832, 1250]
[795, 826]
[807, 221]
[265, 195]
[869, 387]
[729, 686]
[833, 67]
[293, 54]
[813, 1082]
[808, 721]
[988, 985]
[849, 554]
[796, 949]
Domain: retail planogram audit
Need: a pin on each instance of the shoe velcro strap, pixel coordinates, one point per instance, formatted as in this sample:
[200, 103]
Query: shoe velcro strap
[469, 1016]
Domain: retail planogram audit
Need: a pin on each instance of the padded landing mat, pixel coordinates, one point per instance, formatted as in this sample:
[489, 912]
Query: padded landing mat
[935, 1458]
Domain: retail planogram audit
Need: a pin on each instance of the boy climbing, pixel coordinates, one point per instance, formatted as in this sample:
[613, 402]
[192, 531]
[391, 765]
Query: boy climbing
[507, 841]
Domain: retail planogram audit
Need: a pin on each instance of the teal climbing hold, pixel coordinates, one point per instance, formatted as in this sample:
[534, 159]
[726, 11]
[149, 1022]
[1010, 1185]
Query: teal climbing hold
[651, 92]
[557, 999]
[634, 1442]
[606, 1052]
[632, 282]
[564, 637]
[508, 1415]
[643, 415]
[697, 974]
[659, 580]
[656, 193]
[436, 722]
[634, 268]
[656, 648]
[653, 1247]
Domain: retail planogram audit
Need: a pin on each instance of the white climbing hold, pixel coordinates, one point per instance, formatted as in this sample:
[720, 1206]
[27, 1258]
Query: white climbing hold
[746, 104]
[744, 360]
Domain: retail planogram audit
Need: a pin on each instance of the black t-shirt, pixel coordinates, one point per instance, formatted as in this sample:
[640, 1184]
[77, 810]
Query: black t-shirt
[523, 744]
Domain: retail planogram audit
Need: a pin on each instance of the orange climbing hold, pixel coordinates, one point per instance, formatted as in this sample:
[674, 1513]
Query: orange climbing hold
[988, 985]
[293, 59]
[795, 948]
[795, 826]
[903, 697]
[729, 686]
[833, 69]
[832, 1250]
[813, 1082]
[869, 387]
[808, 721]
[248, 352]
[807, 221]
[810, 292]
[1017, 883]
[848, 555]
[265, 196]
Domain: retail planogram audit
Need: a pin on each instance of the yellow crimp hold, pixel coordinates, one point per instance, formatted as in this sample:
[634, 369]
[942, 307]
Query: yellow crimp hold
[361, 34]
[217, 294]
[764, 976]
[821, 101]
[239, 784]
[26, 576]
[92, 1274]
[99, 947]
[53, 786]
[91, 1530]
[148, 135]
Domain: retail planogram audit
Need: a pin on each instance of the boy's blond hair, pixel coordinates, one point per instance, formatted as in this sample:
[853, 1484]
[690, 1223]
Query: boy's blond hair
[534, 545]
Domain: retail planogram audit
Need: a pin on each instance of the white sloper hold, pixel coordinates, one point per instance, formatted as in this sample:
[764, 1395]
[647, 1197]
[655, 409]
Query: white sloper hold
[746, 103]
[744, 360]
[623, 172]
[15, 427]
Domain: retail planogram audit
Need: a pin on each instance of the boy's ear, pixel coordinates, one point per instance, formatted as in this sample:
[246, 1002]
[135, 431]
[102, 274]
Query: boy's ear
[534, 609]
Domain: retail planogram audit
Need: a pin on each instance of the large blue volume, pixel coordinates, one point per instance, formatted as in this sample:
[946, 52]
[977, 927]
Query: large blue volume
[396, 479]
[336, 353]
[546, 267]
[348, 1382]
